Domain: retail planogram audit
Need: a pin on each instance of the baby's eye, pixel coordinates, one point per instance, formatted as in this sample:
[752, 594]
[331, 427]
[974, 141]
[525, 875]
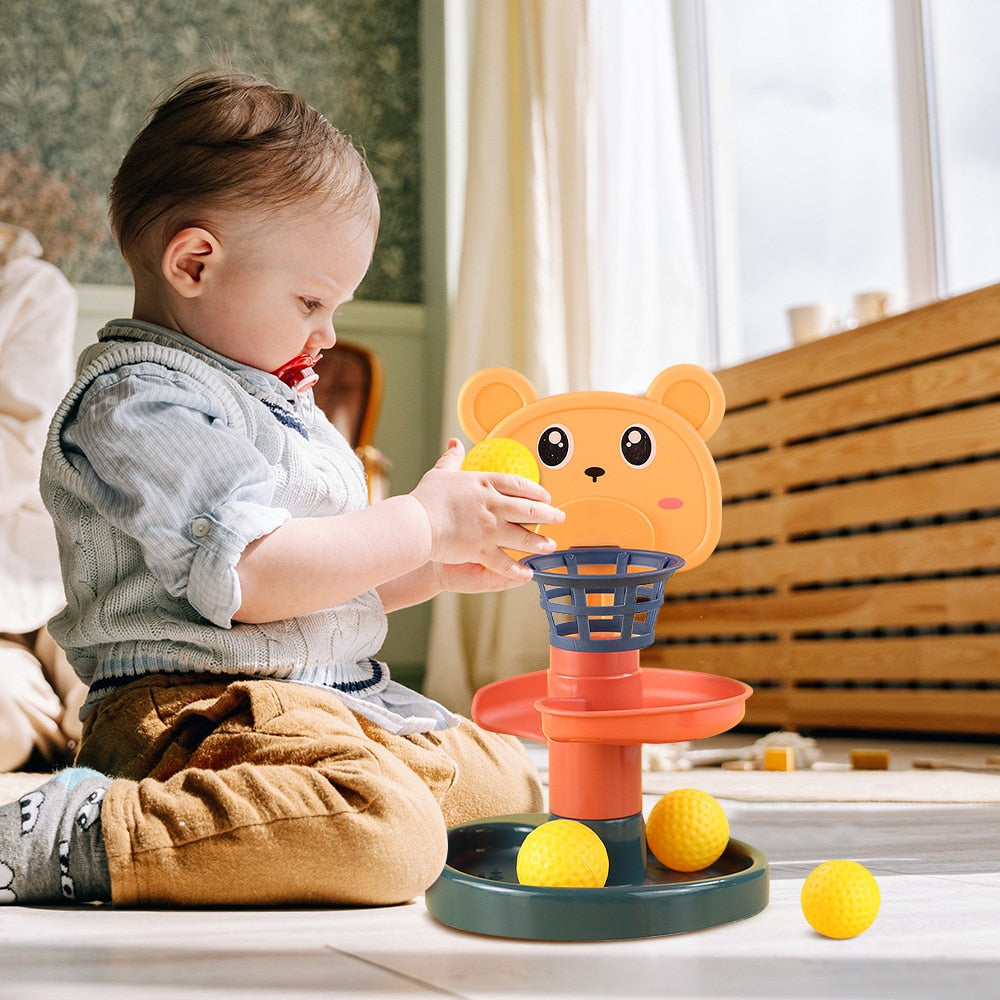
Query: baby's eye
[311, 304]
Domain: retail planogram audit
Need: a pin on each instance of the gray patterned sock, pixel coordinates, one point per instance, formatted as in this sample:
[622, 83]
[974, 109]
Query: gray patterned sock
[51, 845]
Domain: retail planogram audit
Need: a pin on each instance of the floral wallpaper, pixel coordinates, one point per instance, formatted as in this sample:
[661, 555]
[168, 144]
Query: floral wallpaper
[76, 80]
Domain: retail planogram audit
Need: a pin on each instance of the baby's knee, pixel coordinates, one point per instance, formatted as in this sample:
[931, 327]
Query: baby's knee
[390, 854]
[496, 776]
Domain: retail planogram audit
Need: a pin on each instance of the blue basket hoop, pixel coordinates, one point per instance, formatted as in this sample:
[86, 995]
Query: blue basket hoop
[575, 585]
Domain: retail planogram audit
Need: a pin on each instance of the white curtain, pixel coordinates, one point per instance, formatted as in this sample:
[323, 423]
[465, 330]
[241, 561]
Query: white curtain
[647, 296]
[577, 262]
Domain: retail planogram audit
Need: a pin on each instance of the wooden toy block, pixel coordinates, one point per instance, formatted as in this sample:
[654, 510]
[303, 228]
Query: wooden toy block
[929, 763]
[870, 760]
[739, 765]
[779, 759]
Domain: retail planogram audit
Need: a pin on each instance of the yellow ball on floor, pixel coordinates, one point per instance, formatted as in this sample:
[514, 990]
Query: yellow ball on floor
[563, 853]
[687, 830]
[502, 455]
[840, 899]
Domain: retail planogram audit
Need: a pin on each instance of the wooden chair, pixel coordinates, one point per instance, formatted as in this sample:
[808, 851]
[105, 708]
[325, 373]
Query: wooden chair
[349, 392]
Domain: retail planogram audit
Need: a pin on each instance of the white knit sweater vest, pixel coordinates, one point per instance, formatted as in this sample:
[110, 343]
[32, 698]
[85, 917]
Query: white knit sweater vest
[120, 622]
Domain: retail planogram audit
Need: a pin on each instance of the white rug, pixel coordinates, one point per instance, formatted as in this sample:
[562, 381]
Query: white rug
[830, 786]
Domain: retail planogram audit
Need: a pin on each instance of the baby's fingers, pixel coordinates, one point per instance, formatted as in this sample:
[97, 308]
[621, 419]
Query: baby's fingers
[529, 507]
[530, 542]
[504, 566]
[518, 486]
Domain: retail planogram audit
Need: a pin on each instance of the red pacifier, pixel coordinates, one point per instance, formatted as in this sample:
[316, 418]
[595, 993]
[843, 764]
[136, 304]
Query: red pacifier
[298, 373]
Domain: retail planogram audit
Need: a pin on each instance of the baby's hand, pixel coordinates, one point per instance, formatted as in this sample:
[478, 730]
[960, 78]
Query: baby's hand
[474, 516]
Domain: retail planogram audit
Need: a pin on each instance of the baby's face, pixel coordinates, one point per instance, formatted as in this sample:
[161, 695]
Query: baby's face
[277, 283]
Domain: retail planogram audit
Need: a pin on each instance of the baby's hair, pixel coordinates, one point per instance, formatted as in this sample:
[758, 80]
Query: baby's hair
[225, 140]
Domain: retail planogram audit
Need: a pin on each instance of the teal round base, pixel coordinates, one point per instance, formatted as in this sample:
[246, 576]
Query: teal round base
[478, 891]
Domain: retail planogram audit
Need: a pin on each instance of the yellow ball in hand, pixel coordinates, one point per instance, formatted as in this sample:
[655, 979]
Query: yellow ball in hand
[687, 830]
[840, 899]
[563, 853]
[502, 455]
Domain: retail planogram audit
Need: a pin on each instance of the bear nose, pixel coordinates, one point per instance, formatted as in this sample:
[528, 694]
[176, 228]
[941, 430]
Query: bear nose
[595, 472]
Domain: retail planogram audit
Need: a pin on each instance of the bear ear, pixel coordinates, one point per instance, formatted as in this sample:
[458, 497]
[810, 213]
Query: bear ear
[692, 392]
[489, 396]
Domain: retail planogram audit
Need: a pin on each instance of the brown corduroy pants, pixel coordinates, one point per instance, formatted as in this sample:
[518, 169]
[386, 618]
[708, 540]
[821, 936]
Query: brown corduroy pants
[261, 792]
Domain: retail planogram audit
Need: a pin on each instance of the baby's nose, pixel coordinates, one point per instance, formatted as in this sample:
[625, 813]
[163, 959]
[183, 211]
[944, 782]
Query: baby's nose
[322, 338]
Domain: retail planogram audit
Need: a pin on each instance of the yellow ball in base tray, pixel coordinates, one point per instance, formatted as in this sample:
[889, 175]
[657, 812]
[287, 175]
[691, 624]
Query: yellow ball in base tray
[840, 899]
[502, 455]
[563, 853]
[687, 830]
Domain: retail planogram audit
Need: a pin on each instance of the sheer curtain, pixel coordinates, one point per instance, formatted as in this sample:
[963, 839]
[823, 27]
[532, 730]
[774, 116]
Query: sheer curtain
[578, 260]
[647, 299]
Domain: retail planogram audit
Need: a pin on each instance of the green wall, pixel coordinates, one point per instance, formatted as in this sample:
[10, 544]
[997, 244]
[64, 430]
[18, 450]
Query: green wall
[77, 78]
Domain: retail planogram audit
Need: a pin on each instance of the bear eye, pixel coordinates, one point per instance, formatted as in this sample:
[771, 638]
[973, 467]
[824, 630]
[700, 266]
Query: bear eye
[638, 446]
[555, 446]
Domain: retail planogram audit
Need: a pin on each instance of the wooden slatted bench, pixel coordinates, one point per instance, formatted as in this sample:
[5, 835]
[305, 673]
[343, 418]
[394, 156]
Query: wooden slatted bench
[857, 581]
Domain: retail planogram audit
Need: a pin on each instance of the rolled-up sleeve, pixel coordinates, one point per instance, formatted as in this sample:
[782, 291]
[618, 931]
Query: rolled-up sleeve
[159, 460]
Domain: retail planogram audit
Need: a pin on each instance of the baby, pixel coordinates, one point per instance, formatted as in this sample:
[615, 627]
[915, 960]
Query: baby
[227, 583]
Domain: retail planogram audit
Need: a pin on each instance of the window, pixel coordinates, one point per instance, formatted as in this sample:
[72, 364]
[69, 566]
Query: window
[966, 73]
[834, 143]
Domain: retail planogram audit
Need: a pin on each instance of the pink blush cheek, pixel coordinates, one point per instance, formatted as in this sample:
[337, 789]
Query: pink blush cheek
[670, 503]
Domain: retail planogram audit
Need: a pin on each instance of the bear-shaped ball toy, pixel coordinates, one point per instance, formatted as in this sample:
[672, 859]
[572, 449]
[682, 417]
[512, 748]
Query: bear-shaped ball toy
[628, 471]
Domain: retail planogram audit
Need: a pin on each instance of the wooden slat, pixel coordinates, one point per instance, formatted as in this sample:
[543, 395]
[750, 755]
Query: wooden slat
[928, 386]
[756, 663]
[923, 603]
[952, 325]
[916, 495]
[769, 714]
[954, 680]
[942, 437]
[923, 711]
[966, 546]
[926, 660]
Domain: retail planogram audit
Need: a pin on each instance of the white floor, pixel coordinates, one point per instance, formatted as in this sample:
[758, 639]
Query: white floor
[937, 934]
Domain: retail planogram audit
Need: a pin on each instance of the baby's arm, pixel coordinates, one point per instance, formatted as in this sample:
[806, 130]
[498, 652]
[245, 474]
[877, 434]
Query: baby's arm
[449, 532]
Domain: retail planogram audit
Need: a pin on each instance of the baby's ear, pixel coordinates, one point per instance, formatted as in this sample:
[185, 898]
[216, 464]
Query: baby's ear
[185, 258]
[489, 396]
[692, 392]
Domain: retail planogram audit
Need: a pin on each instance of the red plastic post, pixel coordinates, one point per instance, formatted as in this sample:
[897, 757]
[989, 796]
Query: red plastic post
[595, 780]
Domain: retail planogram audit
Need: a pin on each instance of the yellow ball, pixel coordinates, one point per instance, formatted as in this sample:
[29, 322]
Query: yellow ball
[687, 830]
[840, 899]
[502, 455]
[563, 853]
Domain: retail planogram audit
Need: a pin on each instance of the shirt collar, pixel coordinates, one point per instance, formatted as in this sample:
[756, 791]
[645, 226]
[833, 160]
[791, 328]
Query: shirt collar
[255, 376]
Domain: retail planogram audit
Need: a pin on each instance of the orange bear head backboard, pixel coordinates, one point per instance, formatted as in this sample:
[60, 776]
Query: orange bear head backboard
[629, 471]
